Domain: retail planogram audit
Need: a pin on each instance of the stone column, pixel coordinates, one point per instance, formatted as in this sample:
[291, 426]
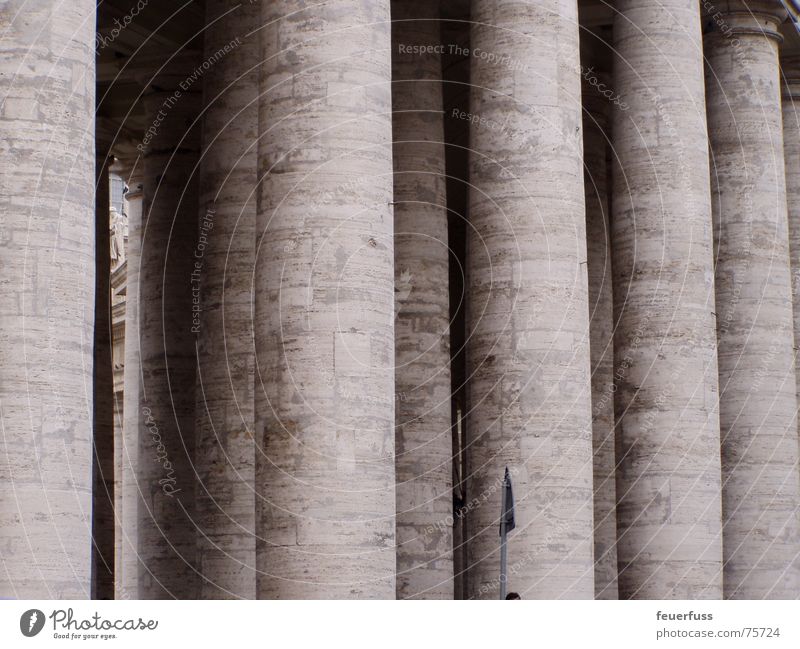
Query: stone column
[455, 61]
[324, 285]
[225, 354]
[596, 135]
[47, 169]
[128, 561]
[103, 513]
[668, 484]
[790, 69]
[423, 437]
[758, 402]
[528, 324]
[166, 479]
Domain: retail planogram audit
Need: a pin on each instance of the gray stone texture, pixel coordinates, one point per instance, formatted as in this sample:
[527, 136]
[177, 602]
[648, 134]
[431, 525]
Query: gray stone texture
[755, 330]
[790, 69]
[668, 474]
[528, 323]
[423, 437]
[326, 268]
[324, 285]
[601, 328]
[166, 477]
[47, 169]
[225, 453]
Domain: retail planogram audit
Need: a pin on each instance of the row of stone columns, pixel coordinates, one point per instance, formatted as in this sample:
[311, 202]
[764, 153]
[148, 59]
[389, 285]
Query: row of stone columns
[290, 436]
[702, 320]
[680, 321]
[700, 502]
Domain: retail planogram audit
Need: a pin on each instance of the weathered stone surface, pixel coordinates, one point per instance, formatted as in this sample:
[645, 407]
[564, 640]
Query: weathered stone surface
[166, 478]
[455, 61]
[423, 437]
[225, 354]
[528, 324]
[601, 328]
[790, 69]
[758, 403]
[47, 168]
[321, 310]
[324, 311]
[668, 475]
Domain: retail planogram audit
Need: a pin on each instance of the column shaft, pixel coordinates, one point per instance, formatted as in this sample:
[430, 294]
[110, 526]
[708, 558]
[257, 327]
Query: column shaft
[128, 564]
[528, 323]
[790, 69]
[47, 169]
[791, 147]
[226, 355]
[423, 437]
[455, 61]
[601, 328]
[166, 479]
[324, 303]
[668, 483]
[755, 328]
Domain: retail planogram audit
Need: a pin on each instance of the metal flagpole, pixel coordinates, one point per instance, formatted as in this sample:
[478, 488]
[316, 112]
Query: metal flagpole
[507, 524]
[503, 537]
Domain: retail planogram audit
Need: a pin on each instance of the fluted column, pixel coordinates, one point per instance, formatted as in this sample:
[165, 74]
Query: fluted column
[668, 481]
[166, 478]
[596, 134]
[47, 169]
[528, 324]
[324, 312]
[758, 402]
[790, 69]
[128, 562]
[226, 355]
[423, 437]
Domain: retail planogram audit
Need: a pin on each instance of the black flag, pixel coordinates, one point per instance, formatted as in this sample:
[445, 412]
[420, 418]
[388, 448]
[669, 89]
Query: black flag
[508, 505]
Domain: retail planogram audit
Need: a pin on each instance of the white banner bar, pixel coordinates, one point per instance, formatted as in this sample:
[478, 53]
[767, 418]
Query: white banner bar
[381, 625]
